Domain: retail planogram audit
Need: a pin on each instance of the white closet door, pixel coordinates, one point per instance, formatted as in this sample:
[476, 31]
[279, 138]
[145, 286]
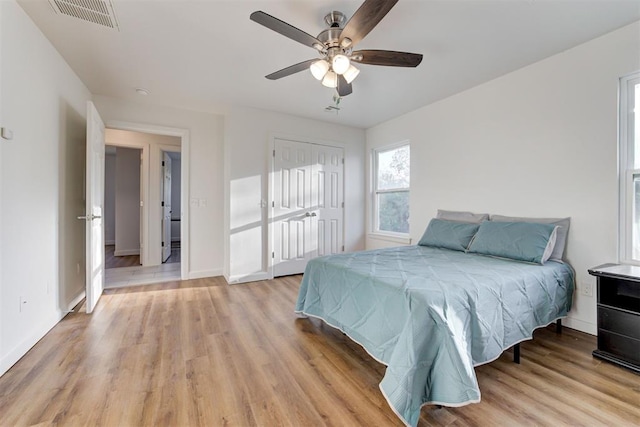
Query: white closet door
[328, 199]
[308, 208]
[292, 207]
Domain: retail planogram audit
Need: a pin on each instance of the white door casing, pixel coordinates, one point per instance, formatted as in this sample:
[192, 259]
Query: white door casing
[166, 206]
[307, 210]
[94, 205]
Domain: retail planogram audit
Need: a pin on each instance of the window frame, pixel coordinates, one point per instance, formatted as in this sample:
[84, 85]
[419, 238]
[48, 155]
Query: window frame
[375, 226]
[627, 169]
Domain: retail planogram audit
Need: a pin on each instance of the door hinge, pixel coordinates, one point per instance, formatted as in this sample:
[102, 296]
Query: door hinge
[343, 204]
[163, 163]
[343, 160]
[342, 248]
[273, 204]
[274, 153]
[162, 204]
[273, 254]
[163, 244]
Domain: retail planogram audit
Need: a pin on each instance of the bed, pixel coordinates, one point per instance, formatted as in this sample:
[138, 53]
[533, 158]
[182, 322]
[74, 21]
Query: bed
[432, 314]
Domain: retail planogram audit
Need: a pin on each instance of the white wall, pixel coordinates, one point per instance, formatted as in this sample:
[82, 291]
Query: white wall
[248, 135]
[127, 201]
[540, 141]
[109, 211]
[41, 181]
[205, 160]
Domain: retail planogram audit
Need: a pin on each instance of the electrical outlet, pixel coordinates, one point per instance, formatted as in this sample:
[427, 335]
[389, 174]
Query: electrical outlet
[586, 289]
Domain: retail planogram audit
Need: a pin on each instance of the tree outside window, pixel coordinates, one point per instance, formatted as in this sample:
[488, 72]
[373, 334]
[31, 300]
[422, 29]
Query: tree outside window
[392, 189]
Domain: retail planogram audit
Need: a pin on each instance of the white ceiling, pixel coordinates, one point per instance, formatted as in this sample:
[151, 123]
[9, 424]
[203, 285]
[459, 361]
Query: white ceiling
[205, 55]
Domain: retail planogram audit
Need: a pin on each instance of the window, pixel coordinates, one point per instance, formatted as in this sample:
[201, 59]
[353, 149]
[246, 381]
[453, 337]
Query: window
[629, 134]
[391, 189]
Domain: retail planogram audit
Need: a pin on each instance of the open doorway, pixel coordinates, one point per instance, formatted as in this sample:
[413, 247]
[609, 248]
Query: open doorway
[171, 208]
[135, 194]
[122, 213]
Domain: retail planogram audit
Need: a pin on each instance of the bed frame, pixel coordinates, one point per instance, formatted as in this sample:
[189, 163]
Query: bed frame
[516, 348]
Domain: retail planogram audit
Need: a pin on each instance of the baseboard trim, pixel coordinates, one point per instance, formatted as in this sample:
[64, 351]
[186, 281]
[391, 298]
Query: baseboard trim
[76, 301]
[244, 278]
[22, 348]
[109, 242]
[580, 325]
[201, 274]
[126, 252]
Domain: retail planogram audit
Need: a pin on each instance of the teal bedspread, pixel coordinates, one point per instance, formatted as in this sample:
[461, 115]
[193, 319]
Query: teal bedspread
[430, 315]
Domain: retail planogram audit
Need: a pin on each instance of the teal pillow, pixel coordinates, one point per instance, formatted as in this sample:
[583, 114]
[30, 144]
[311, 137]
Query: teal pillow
[561, 234]
[522, 241]
[448, 234]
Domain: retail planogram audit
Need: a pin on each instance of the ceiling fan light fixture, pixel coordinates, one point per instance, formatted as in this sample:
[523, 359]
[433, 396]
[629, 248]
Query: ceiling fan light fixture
[319, 69]
[340, 63]
[330, 80]
[351, 74]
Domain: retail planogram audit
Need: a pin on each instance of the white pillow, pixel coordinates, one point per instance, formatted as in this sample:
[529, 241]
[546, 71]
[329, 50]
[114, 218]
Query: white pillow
[460, 216]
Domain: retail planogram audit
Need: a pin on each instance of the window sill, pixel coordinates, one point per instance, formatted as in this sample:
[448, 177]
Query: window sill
[396, 238]
[630, 262]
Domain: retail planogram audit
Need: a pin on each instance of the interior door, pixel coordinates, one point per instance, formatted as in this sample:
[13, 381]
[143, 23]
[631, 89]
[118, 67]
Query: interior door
[328, 199]
[291, 207]
[166, 207]
[93, 211]
[308, 205]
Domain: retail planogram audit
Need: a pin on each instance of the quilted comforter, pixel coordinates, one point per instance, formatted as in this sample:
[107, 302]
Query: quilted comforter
[430, 315]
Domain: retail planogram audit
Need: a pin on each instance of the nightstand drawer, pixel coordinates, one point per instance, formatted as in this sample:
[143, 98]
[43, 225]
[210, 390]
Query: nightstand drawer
[624, 347]
[623, 323]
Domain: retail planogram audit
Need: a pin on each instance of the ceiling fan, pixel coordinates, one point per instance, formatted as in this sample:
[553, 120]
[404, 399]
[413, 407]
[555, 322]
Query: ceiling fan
[336, 43]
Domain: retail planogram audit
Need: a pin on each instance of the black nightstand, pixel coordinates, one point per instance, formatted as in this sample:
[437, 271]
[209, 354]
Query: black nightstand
[618, 314]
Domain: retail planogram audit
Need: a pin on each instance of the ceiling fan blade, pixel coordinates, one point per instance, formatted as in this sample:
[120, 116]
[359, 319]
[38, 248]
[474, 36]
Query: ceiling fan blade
[365, 19]
[343, 88]
[291, 70]
[285, 29]
[387, 57]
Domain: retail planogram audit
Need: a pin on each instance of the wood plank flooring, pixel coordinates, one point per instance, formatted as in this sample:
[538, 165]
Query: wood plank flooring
[112, 261]
[203, 353]
[120, 261]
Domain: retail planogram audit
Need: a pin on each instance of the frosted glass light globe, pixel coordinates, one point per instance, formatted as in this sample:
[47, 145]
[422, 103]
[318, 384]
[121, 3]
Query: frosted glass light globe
[330, 79]
[351, 74]
[319, 69]
[340, 63]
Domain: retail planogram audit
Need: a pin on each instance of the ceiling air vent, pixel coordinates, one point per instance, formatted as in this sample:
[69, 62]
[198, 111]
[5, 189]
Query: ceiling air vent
[96, 11]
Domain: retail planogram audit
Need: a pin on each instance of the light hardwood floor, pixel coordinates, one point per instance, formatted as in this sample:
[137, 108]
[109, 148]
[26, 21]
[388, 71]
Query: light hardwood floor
[112, 261]
[202, 353]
